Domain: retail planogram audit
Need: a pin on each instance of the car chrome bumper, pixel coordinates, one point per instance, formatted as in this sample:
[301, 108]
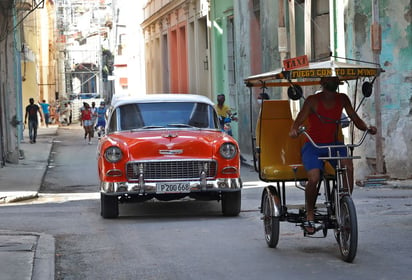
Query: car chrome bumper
[226, 184]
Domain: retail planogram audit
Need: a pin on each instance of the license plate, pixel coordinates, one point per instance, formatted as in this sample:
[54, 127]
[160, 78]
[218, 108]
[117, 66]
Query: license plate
[172, 187]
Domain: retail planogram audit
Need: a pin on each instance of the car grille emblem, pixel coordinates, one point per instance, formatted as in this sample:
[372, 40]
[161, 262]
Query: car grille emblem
[170, 152]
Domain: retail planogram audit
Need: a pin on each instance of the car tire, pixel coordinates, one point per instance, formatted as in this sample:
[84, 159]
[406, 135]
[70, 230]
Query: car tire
[231, 202]
[109, 206]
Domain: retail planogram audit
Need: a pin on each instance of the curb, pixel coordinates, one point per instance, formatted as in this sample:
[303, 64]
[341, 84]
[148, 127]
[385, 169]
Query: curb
[18, 198]
[44, 259]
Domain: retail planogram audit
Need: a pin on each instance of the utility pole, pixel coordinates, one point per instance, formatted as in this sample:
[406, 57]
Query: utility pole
[376, 46]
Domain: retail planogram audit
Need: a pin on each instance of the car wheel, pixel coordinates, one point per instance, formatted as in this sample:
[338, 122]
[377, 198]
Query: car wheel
[231, 203]
[109, 206]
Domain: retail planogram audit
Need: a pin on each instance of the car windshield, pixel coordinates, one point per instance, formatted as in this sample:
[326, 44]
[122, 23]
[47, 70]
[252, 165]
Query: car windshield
[167, 114]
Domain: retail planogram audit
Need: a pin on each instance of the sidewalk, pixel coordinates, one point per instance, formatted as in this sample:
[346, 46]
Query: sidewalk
[27, 255]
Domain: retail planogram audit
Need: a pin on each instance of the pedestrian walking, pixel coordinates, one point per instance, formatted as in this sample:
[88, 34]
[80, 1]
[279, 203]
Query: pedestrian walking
[101, 118]
[86, 122]
[32, 112]
[94, 116]
[45, 107]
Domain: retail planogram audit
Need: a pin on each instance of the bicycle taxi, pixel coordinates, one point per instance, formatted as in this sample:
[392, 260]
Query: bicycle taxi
[277, 156]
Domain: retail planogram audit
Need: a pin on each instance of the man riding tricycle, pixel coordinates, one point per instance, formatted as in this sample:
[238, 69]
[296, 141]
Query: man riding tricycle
[309, 150]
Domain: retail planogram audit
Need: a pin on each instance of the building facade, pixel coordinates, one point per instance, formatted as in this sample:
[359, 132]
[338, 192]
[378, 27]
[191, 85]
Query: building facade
[208, 47]
[10, 88]
[177, 46]
[254, 36]
[27, 67]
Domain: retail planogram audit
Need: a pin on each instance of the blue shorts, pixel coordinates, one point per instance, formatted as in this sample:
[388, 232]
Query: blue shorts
[311, 154]
[101, 122]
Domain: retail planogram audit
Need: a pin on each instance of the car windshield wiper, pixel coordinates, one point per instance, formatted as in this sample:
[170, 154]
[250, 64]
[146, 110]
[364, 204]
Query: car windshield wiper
[179, 125]
[150, 126]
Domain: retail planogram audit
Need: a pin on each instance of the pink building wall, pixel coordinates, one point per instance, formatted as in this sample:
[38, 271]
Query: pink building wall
[178, 59]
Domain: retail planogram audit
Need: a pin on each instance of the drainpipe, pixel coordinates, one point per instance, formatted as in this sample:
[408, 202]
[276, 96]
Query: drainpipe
[16, 121]
[376, 46]
[18, 85]
[294, 105]
[282, 39]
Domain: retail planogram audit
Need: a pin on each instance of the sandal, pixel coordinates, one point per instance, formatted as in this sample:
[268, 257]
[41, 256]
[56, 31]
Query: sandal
[310, 227]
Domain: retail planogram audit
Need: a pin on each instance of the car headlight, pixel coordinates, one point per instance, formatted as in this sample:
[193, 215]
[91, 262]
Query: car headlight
[228, 150]
[113, 154]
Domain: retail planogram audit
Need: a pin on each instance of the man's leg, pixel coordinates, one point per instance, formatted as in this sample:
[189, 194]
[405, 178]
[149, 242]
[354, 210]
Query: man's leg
[311, 192]
[35, 124]
[46, 119]
[90, 129]
[31, 131]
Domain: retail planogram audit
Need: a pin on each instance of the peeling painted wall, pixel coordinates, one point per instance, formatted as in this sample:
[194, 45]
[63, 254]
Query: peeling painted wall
[396, 82]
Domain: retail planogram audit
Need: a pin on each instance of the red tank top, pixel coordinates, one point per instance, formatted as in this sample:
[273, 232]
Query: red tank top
[86, 115]
[323, 124]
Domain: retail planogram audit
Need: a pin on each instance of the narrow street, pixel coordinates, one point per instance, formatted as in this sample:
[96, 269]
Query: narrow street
[191, 239]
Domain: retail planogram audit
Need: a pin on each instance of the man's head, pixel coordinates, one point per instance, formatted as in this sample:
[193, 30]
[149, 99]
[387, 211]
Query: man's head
[31, 100]
[330, 83]
[93, 104]
[221, 99]
[102, 104]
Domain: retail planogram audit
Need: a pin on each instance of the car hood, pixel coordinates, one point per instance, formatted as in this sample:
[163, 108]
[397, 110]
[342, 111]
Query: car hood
[170, 143]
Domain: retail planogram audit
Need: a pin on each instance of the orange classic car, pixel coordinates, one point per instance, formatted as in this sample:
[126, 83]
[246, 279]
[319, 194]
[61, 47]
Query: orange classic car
[167, 147]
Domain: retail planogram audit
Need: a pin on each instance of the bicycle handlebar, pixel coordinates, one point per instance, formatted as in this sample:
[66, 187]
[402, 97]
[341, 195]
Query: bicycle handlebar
[302, 129]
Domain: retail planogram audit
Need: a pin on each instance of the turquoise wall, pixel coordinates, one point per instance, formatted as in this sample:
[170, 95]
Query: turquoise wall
[395, 18]
[220, 10]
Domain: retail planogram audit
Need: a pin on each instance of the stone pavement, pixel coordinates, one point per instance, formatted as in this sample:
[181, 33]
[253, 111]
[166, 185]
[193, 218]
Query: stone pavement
[26, 255]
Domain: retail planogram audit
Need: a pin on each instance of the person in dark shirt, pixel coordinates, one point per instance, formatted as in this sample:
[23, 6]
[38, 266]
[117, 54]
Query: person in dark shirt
[32, 113]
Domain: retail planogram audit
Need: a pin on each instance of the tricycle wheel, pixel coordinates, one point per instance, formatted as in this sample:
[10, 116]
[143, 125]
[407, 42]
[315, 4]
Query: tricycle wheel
[270, 222]
[109, 205]
[231, 203]
[348, 229]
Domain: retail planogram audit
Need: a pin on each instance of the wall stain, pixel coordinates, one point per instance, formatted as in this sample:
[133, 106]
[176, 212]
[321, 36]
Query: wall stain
[360, 28]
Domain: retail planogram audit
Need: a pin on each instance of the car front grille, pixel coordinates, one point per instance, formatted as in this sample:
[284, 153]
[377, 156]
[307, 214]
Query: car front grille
[171, 170]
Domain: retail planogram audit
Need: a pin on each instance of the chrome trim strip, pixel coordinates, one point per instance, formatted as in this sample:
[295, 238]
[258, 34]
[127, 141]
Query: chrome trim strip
[224, 184]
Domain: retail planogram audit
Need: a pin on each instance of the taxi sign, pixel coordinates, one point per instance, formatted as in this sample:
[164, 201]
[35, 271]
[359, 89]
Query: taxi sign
[296, 62]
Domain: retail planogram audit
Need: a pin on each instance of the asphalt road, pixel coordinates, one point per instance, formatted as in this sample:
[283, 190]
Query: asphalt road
[192, 240]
